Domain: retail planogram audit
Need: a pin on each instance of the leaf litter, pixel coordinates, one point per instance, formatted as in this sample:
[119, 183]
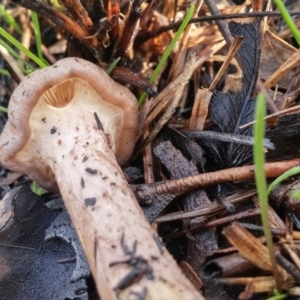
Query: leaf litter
[209, 89]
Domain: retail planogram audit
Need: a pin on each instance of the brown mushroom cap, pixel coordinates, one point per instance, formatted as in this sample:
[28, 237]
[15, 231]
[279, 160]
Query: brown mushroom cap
[56, 86]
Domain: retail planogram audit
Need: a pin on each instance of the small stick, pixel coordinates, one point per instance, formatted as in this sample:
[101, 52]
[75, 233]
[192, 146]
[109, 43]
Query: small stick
[184, 185]
[290, 110]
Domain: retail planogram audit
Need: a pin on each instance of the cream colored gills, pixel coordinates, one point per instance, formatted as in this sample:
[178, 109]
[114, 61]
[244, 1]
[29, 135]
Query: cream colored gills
[63, 109]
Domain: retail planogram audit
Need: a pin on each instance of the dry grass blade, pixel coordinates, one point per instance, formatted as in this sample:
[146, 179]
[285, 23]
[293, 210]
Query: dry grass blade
[255, 284]
[200, 110]
[294, 109]
[208, 210]
[12, 65]
[231, 218]
[291, 63]
[289, 248]
[248, 246]
[234, 47]
[274, 219]
[148, 164]
[275, 52]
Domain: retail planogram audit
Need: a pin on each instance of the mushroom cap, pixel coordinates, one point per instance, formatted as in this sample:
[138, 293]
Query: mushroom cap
[35, 86]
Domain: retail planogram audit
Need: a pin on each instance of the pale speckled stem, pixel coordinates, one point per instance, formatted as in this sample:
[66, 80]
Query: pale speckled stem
[103, 209]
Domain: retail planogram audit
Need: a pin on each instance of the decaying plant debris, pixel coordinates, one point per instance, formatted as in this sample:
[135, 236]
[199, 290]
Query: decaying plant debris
[197, 190]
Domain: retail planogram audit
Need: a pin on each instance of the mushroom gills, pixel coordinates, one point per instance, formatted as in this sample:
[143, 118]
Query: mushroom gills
[78, 93]
[64, 115]
[61, 94]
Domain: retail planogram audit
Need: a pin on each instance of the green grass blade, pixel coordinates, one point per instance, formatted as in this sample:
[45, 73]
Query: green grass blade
[260, 178]
[3, 109]
[18, 45]
[278, 297]
[112, 65]
[167, 53]
[284, 176]
[288, 20]
[37, 33]
[4, 72]
[37, 189]
[9, 19]
[295, 195]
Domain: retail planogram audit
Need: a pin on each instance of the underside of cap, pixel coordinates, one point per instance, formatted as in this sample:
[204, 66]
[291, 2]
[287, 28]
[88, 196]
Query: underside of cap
[56, 86]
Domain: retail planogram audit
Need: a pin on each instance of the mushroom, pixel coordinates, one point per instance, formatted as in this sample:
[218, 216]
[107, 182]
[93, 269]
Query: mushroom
[69, 125]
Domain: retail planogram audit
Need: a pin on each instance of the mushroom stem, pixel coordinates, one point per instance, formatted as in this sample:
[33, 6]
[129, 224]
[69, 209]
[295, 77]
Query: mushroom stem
[124, 256]
[69, 126]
